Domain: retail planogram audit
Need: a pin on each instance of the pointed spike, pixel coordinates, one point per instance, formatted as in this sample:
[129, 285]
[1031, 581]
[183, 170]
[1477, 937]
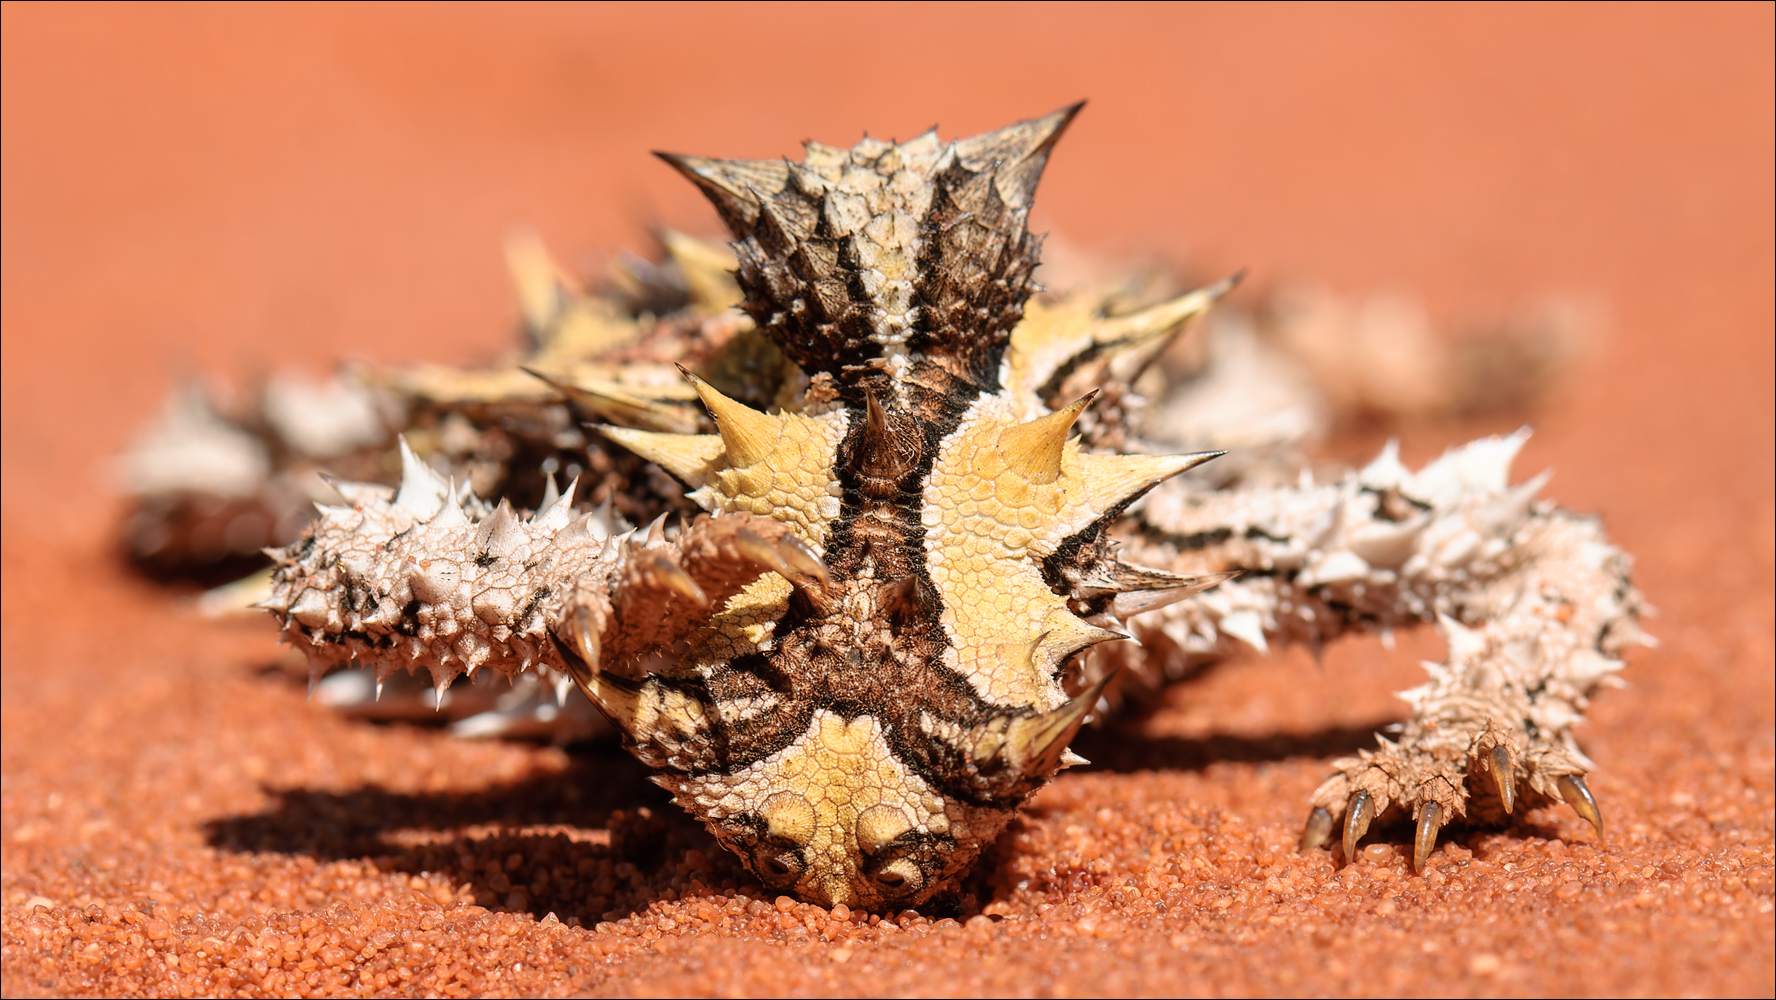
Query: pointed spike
[1504, 775]
[686, 456]
[733, 186]
[1247, 627]
[551, 493]
[1318, 831]
[883, 452]
[1430, 821]
[556, 516]
[422, 491]
[1071, 759]
[1578, 795]
[1135, 339]
[1033, 449]
[1357, 817]
[541, 284]
[669, 575]
[904, 601]
[656, 530]
[623, 405]
[450, 512]
[1109, 481]
[499, 533]
[748, 435]
[1128, 604]
[605, 515]
[1037, 744]
[1017, 153]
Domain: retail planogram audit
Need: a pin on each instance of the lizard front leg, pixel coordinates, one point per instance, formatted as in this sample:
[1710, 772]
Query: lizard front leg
[427, 577]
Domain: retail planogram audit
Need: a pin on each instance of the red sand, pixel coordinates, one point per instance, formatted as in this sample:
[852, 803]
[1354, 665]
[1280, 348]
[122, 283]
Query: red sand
[223, 189]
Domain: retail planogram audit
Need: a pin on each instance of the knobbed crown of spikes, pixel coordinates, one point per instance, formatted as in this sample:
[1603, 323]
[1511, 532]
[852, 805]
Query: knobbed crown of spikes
[852, 260]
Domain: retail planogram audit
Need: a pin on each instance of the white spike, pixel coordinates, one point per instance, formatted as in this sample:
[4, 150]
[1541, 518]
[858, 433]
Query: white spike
[1481, 467]
[605, 518]
[1247, 627]
[500, 534]
[1332, 567]
[356, 493]
[1464, 643]
[1386, 470]
[551, 493]
[422, 490]
[1502, 516]
[311, 609]
[450, 515]
[1387, 544]
[556, 515]
[1129, 603]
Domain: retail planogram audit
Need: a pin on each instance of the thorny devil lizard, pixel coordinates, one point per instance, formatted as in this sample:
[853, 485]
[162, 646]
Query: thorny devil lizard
[879, 641]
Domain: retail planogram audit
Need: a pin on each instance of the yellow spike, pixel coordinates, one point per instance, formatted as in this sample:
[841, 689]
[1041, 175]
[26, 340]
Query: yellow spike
[1033, 449]
[708, 270]
[1136, 337]
[1106, 481]
[622, 404]
[540, 282]
[1035, 745]
[687, 456]
[749, 435]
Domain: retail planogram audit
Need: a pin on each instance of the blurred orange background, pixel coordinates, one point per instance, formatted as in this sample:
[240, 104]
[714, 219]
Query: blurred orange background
[228, 188]
[224, 189]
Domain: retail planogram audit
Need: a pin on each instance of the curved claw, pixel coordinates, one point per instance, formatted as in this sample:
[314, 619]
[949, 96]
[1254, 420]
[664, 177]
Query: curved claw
[1318, 831]
[1430, 820]
[802, 556]
[1357, 817]
[1504, 775]
[671, 576]
[1578, 795]
[583, 630]
[762, 552]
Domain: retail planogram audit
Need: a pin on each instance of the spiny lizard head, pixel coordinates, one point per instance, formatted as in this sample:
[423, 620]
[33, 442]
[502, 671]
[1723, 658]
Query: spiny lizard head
[857, 725]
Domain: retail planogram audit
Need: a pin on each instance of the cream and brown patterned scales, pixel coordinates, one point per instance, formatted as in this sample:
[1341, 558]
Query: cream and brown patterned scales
[882, 636]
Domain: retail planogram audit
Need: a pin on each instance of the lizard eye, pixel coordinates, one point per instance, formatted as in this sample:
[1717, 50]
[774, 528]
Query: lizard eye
[900, 876]
[778, 864]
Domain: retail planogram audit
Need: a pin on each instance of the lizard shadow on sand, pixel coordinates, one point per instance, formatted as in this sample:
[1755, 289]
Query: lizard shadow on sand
[596, 839]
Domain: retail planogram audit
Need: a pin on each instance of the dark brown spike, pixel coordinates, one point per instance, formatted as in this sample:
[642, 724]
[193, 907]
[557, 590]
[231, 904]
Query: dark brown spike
[905, 601]
[733, 186]
[886, 450]
[1018, 152]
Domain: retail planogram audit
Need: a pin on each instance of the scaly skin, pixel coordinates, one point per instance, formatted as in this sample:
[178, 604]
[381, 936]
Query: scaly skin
[876, 646]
